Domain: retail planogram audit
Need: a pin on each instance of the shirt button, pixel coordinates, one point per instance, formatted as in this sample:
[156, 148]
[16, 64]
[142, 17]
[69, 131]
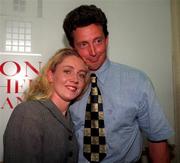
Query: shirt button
[70, 154]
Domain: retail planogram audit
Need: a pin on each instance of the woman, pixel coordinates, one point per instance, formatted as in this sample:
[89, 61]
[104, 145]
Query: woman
[40, 129]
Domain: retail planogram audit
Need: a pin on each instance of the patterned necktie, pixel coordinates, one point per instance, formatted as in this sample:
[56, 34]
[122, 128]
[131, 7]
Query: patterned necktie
[94, 131]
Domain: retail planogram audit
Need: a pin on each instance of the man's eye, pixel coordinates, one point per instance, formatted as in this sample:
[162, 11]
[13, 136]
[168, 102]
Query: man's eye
[83, 45]
[99, 41]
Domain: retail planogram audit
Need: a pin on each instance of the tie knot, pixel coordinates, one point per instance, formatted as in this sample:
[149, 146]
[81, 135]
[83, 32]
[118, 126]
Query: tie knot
[93, 78]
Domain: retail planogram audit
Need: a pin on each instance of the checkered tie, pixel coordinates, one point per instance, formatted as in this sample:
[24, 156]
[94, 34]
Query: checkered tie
[94, 130]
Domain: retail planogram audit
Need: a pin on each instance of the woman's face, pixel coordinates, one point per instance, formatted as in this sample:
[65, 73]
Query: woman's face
[69, 79]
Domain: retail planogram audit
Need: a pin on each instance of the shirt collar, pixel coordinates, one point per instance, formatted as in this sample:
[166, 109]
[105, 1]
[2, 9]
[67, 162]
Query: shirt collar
[101, 73]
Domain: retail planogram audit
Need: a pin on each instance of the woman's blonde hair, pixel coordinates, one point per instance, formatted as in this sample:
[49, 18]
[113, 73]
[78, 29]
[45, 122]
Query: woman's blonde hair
[40, 87]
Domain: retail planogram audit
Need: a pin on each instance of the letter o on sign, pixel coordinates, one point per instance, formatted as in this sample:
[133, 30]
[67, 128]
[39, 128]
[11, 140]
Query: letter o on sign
[14, 67]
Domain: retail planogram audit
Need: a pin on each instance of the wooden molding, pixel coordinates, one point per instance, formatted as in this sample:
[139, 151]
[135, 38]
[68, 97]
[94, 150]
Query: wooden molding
[175, 12]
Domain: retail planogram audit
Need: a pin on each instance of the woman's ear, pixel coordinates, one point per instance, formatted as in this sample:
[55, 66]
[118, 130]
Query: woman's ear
[50, 76]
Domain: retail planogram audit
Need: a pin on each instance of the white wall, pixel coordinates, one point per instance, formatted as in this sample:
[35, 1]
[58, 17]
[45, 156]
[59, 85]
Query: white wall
[140, 36]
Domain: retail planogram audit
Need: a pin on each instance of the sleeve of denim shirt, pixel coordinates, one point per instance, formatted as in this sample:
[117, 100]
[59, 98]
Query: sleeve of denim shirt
[151, 117]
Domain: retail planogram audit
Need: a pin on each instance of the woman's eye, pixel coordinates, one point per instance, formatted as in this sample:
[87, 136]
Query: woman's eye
[82, 76]
[67, 71]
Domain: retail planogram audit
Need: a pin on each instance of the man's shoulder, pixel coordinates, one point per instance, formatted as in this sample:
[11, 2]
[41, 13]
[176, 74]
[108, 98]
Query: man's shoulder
[119, 68]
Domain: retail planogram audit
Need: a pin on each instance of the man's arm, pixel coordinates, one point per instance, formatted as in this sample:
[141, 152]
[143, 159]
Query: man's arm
[159, 152]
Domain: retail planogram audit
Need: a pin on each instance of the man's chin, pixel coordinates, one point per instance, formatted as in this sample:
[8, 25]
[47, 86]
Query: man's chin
[93, 68]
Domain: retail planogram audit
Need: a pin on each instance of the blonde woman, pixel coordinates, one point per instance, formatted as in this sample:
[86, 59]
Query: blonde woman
[40, 129]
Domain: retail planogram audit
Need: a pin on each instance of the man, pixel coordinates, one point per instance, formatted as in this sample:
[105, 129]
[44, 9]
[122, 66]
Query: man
[129, 101]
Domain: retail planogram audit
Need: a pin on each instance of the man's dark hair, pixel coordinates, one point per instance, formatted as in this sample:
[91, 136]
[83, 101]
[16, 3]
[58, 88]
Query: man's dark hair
[82, 16]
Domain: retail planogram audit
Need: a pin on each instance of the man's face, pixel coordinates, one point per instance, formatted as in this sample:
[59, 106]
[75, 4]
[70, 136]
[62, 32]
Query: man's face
[91, 44]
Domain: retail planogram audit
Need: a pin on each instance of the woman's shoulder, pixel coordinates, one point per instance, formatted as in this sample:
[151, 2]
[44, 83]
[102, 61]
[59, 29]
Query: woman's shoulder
[27, 104]
[26, 114]
[28, 107]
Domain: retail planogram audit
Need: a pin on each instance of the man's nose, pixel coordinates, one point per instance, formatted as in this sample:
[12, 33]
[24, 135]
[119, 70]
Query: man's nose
[92, 50]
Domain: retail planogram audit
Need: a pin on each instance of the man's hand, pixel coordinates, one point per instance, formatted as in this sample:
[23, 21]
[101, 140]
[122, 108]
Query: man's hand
[159, 152]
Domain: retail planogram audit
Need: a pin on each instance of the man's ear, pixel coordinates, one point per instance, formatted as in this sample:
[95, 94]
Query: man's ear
[107, 40]
[50, 76]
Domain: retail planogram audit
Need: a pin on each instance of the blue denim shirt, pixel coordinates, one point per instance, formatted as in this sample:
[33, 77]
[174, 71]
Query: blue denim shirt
[130, 107]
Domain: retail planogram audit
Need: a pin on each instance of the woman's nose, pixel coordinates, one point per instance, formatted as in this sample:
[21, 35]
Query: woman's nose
[75, 78]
